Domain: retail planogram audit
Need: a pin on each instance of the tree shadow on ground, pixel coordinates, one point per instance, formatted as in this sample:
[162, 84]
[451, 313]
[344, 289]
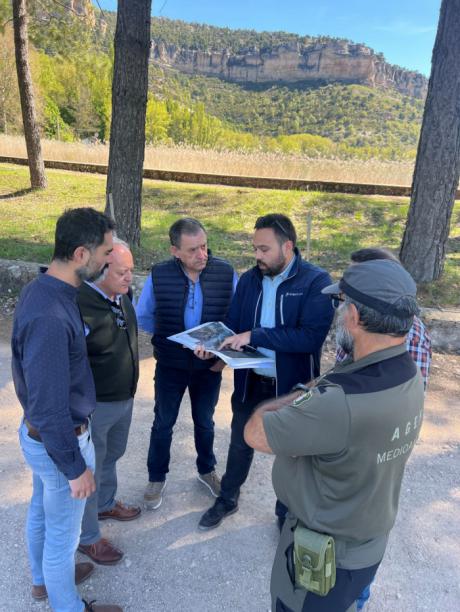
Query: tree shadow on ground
[16, 194]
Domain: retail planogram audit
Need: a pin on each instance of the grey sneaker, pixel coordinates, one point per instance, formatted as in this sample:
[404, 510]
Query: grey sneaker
[153, 495]
[212, 481]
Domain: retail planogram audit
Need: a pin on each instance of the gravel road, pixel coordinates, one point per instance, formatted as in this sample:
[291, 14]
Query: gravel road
[170, 566]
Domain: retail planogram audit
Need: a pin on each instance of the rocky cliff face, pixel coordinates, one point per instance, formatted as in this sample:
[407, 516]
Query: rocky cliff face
[335, 61]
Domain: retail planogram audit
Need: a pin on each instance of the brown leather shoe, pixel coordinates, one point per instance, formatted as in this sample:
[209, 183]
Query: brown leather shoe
[120, 512]
[39, 592]
[102, 552]
[92, 606]
[82, 572]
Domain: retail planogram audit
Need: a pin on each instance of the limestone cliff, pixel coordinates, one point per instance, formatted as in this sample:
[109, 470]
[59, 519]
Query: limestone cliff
[332, 61]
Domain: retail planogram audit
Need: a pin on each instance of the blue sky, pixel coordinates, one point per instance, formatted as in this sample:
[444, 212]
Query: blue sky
[403, 30]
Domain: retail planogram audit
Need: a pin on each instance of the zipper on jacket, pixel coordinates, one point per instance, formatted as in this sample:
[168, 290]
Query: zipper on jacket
[257, 306]
[253, 326]
[282, 322]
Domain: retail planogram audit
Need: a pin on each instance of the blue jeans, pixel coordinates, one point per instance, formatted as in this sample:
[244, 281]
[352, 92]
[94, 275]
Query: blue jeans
[170, 386]
[361, 601]
[54, 523]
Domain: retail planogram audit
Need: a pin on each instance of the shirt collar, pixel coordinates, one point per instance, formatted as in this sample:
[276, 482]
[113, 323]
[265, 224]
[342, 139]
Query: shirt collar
[190, 281]
[104, 295]
[388, 353]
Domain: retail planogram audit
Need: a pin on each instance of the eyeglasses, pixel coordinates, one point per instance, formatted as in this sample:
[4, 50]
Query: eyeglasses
[336, 300]
[119, 316]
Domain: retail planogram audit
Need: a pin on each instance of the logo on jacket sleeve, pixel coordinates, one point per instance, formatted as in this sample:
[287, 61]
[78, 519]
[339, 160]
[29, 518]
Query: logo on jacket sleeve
[302, 398]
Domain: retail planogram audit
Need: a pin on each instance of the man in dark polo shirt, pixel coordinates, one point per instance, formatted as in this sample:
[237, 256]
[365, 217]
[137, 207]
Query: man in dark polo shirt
[341, 446]
[111, 339]
[54, 384]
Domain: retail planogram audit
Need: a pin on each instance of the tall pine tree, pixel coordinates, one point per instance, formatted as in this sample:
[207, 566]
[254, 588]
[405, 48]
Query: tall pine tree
[437, 165]
[129, 101]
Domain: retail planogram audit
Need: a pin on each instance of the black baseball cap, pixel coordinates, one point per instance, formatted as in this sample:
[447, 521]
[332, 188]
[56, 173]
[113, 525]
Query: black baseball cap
[378, 284]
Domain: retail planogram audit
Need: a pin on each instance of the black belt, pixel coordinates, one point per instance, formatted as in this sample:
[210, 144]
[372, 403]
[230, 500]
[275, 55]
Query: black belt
[267, 381]
[33, 433]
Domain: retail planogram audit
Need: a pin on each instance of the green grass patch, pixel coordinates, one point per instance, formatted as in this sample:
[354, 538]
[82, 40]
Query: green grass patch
[341, 223]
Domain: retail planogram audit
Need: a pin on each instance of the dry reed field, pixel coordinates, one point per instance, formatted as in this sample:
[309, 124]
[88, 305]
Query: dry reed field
[183, 158]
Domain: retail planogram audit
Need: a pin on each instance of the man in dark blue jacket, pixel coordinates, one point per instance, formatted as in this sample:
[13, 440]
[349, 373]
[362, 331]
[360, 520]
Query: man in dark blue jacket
[279, 309]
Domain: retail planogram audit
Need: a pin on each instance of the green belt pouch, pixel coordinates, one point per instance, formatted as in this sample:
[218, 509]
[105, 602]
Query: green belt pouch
[314, 560]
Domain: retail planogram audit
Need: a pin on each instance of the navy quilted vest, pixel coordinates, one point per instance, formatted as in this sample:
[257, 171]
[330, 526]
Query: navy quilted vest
[170, 286]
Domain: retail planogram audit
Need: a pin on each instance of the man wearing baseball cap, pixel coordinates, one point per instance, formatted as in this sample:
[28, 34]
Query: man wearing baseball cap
[341, 445]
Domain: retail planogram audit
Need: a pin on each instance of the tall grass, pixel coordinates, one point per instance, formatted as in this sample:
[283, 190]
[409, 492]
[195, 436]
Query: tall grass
[183, 158]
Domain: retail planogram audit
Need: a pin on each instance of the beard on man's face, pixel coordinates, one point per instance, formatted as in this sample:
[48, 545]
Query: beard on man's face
[86, 274]
[274, 269]
[342, 336]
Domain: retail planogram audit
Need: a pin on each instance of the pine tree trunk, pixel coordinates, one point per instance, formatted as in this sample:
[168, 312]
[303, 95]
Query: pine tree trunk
[437, 165]
[26, 92]
[129, 101]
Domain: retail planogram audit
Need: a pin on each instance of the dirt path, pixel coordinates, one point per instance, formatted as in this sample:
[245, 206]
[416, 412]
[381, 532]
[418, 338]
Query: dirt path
[170, 566]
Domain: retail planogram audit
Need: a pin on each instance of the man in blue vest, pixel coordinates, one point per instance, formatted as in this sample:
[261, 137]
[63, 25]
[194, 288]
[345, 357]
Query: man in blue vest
[191, 288]
[279, 309]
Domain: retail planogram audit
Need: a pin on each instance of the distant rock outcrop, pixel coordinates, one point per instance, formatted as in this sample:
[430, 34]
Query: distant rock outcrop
[331, 61]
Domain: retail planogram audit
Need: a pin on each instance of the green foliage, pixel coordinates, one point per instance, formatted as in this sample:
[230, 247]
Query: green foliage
[73, 68]
[53, 124]
[210, 38]
[5, 13]
[341, 223]
[10, 110]
[363, 122]
[157, 121]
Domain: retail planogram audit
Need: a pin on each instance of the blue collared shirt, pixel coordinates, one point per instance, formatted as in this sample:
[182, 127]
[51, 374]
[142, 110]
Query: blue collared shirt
[270, 286]
[104, 295]
[145, 307]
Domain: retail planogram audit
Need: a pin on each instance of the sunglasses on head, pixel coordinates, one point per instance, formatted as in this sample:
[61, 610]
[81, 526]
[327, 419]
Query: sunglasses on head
[280, 227]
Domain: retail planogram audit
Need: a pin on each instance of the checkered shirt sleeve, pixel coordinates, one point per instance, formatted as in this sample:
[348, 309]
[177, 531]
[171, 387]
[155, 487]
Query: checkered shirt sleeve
[419, 347]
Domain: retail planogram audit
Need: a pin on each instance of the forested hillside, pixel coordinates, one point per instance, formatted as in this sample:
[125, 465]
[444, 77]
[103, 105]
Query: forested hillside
[72, 66]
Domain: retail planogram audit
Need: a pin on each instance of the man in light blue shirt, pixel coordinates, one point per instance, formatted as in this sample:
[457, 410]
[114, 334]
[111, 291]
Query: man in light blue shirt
[270, 286]
[191, 288]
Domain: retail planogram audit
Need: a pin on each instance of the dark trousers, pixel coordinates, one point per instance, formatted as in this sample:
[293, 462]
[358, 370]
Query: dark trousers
[170, 386]
[348, 587]
[240, 455]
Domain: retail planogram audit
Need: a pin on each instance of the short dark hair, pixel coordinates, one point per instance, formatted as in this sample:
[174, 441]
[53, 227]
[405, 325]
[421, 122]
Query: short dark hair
[370, 253]
[186, 225]
[281, 225]
[80, 227]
